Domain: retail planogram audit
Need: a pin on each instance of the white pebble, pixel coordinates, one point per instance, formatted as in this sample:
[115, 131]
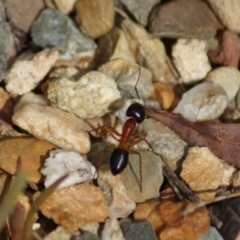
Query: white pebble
[62, 162]
[228, 78]
[190, 59]
[112, 230]
[205, 101]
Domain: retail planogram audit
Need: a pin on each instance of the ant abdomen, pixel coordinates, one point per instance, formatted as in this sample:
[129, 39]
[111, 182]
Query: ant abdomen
[118, 160]
[136, 111]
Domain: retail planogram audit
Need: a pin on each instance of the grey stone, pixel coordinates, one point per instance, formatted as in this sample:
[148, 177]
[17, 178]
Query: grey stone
[140, 9]
[183, 18]
[139, 231]
[54, 29]
[212, 234]
[85, 236]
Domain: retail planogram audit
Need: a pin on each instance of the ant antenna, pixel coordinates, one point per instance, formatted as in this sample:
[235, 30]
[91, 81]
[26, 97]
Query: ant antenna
[137, 84]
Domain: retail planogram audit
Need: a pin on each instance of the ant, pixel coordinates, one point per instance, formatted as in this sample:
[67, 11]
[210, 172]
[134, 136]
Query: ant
[120, 155]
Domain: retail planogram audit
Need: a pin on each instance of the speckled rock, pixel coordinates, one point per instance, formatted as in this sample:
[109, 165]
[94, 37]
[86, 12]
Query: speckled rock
[112, 230]
[120, 205]
[53, 125]
[228, 78]
[127, 75]
[190, 59]
[203, 172]
[183, 19]
[113, 45]
[140, 9]
[95, 17]
[228, 12]
[54, 29]
[25, 75]
[164, 141]
[88, 97]
[205, 101]
[144, 45]
[7, 44]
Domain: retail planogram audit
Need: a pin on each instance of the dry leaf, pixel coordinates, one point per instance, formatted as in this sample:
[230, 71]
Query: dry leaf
[170, 222]
[75, 206]
[24, 153]
[222, 139]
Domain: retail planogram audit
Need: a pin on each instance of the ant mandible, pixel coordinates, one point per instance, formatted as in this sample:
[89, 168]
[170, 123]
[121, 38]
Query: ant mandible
[120, 155]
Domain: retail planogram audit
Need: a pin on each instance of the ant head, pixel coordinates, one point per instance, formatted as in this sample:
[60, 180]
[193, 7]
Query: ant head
[136, 111]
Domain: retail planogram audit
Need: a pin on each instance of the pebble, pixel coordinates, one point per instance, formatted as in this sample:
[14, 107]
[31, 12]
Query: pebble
[228, 78]
[113, 45]
[76, 206]
[7, 44]
[236, 180]
[54, 29]
[61, 162]
[60, 233]
[144, 45]
[142, 230]
[151, 176]
[17, 12]
[228, 173]
[165, 95]
[212, 234]
[90, 96]
[25, 75]
[228, 51]
[173, 20]
[120, 205]
[228, 13]
[112, 230]
[53, 125]
[164, 141]
[31, 151]
[203, 172]
[140, 9]
[190, 59]
[85, 236]
[205, 101]
[64, 6]
[95, 17]
[127, 75]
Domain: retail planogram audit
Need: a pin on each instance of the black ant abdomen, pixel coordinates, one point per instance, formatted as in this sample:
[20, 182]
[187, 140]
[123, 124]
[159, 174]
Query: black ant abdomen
[118, 160]
[136, 111]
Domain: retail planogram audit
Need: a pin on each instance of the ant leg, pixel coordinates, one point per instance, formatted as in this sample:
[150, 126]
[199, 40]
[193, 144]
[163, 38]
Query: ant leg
[111, 131]
[140, 166]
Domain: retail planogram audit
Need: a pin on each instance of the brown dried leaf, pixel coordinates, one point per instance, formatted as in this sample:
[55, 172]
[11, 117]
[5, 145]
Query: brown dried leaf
[75, 206]
[170, 222]
[24, 153]
[222, 139]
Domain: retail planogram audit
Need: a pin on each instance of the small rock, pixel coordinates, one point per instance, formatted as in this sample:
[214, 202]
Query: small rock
[140, 9]
[120, 205]
[127, 75]
[190, 59]
[25, 75]
[96, 17]
[173, 20]
[75, 206]
[228, 173]
[91, 228]
[203, 172]
[60, 233]
[85, 236]
[164, 141]
[228, 51]
[61, 162]
[236, 180]
[112, 230]
[212, 234]
[54, 29]
[29, 98]
[228, 13]
[228, 78]
[53, 125]
[64, 6]
[113, 45]
[165, 95]
[16, 10]
[144, 45]
[206, 101]
[24, 152]
[88, 97]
